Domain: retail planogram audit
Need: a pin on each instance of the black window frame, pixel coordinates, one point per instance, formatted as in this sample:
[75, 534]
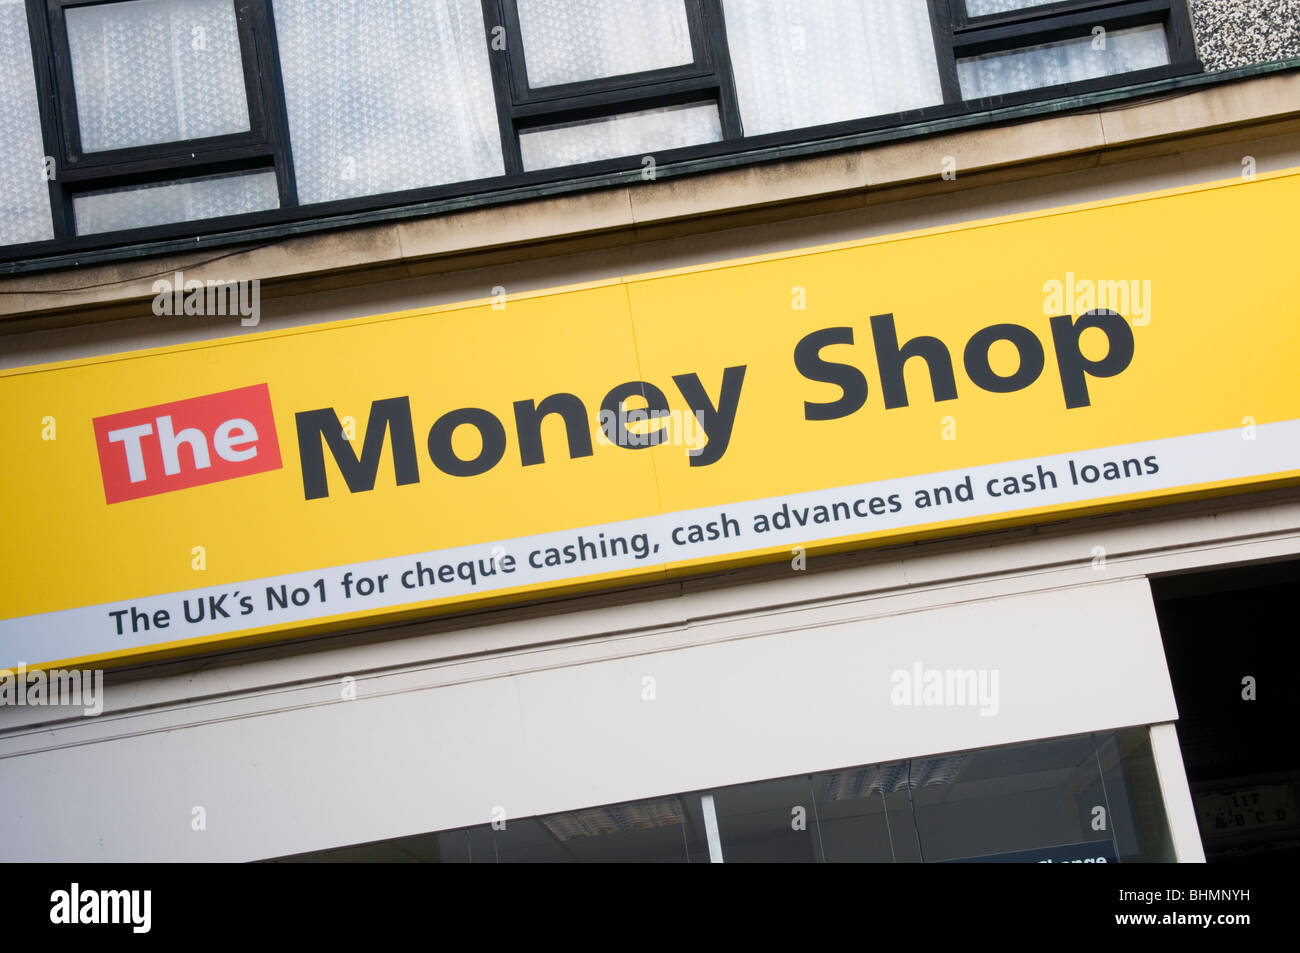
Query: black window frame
[76, 157]
[521, 107]
[961, 20]
[263, 147]
[708, 79]
[506, 13]
[1071, 19]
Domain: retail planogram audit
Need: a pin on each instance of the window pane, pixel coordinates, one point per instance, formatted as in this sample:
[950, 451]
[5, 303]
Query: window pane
[1066, 61]
[186, 200]
[769, 822]
[386, 95]
[150, 71]
[24, 196]
[629, 134]
[658, 830]
[1001, 804]
[1033, 802]
[1081, 799]
[825, 61]
[567, 41]
[982, 8]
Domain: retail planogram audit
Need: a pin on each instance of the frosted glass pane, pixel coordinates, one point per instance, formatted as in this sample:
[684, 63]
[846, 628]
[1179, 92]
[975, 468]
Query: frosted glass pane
[24, 196]
[150, 71]
[567, 41]
[982, 8]
[187, 200]
[386, 95]
[1066, 61]
[808, 62]
[639, 133]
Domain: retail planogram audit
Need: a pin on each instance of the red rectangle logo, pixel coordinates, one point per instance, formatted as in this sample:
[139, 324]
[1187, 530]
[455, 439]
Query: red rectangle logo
[187, 443]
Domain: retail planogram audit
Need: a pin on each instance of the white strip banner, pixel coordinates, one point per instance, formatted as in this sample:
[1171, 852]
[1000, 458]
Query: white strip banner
[798, 519]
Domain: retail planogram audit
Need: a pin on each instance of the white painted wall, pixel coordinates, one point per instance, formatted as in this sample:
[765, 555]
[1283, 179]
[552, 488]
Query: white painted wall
[551, 733]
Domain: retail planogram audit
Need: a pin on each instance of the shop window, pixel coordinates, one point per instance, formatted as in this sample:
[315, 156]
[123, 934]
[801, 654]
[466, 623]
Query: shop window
[1088, 799]
[1091, 798]
[656, 830]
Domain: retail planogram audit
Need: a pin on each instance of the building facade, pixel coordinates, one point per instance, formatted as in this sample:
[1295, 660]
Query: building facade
[693, 430]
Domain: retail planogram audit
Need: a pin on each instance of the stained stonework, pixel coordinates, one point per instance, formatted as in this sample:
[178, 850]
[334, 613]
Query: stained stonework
[1240, 32]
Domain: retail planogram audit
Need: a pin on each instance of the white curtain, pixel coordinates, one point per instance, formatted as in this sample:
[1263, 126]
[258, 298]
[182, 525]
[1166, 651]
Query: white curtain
[187, 200]
[151, 71]
[24, 195]
[566, 41]
[804, 63]
[386, 95]
[982, 8]
[636, 134]
[1067, 61]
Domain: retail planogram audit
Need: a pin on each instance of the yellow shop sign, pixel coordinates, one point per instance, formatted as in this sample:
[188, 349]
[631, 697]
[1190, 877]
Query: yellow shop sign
[939, 382]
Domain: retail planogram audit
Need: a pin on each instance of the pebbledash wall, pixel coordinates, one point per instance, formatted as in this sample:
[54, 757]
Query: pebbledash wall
[721, 668]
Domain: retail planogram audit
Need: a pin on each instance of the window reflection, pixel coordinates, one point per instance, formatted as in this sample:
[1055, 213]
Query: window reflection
[1084, 799]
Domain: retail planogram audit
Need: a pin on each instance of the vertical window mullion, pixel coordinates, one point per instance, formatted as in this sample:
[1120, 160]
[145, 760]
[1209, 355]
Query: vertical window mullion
[715, 31]
[56, 36]
[941, 21]
[270, 90]
[1178, 33]
[507, 17]
[49, 105]
[247, 29]
[502, 63]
